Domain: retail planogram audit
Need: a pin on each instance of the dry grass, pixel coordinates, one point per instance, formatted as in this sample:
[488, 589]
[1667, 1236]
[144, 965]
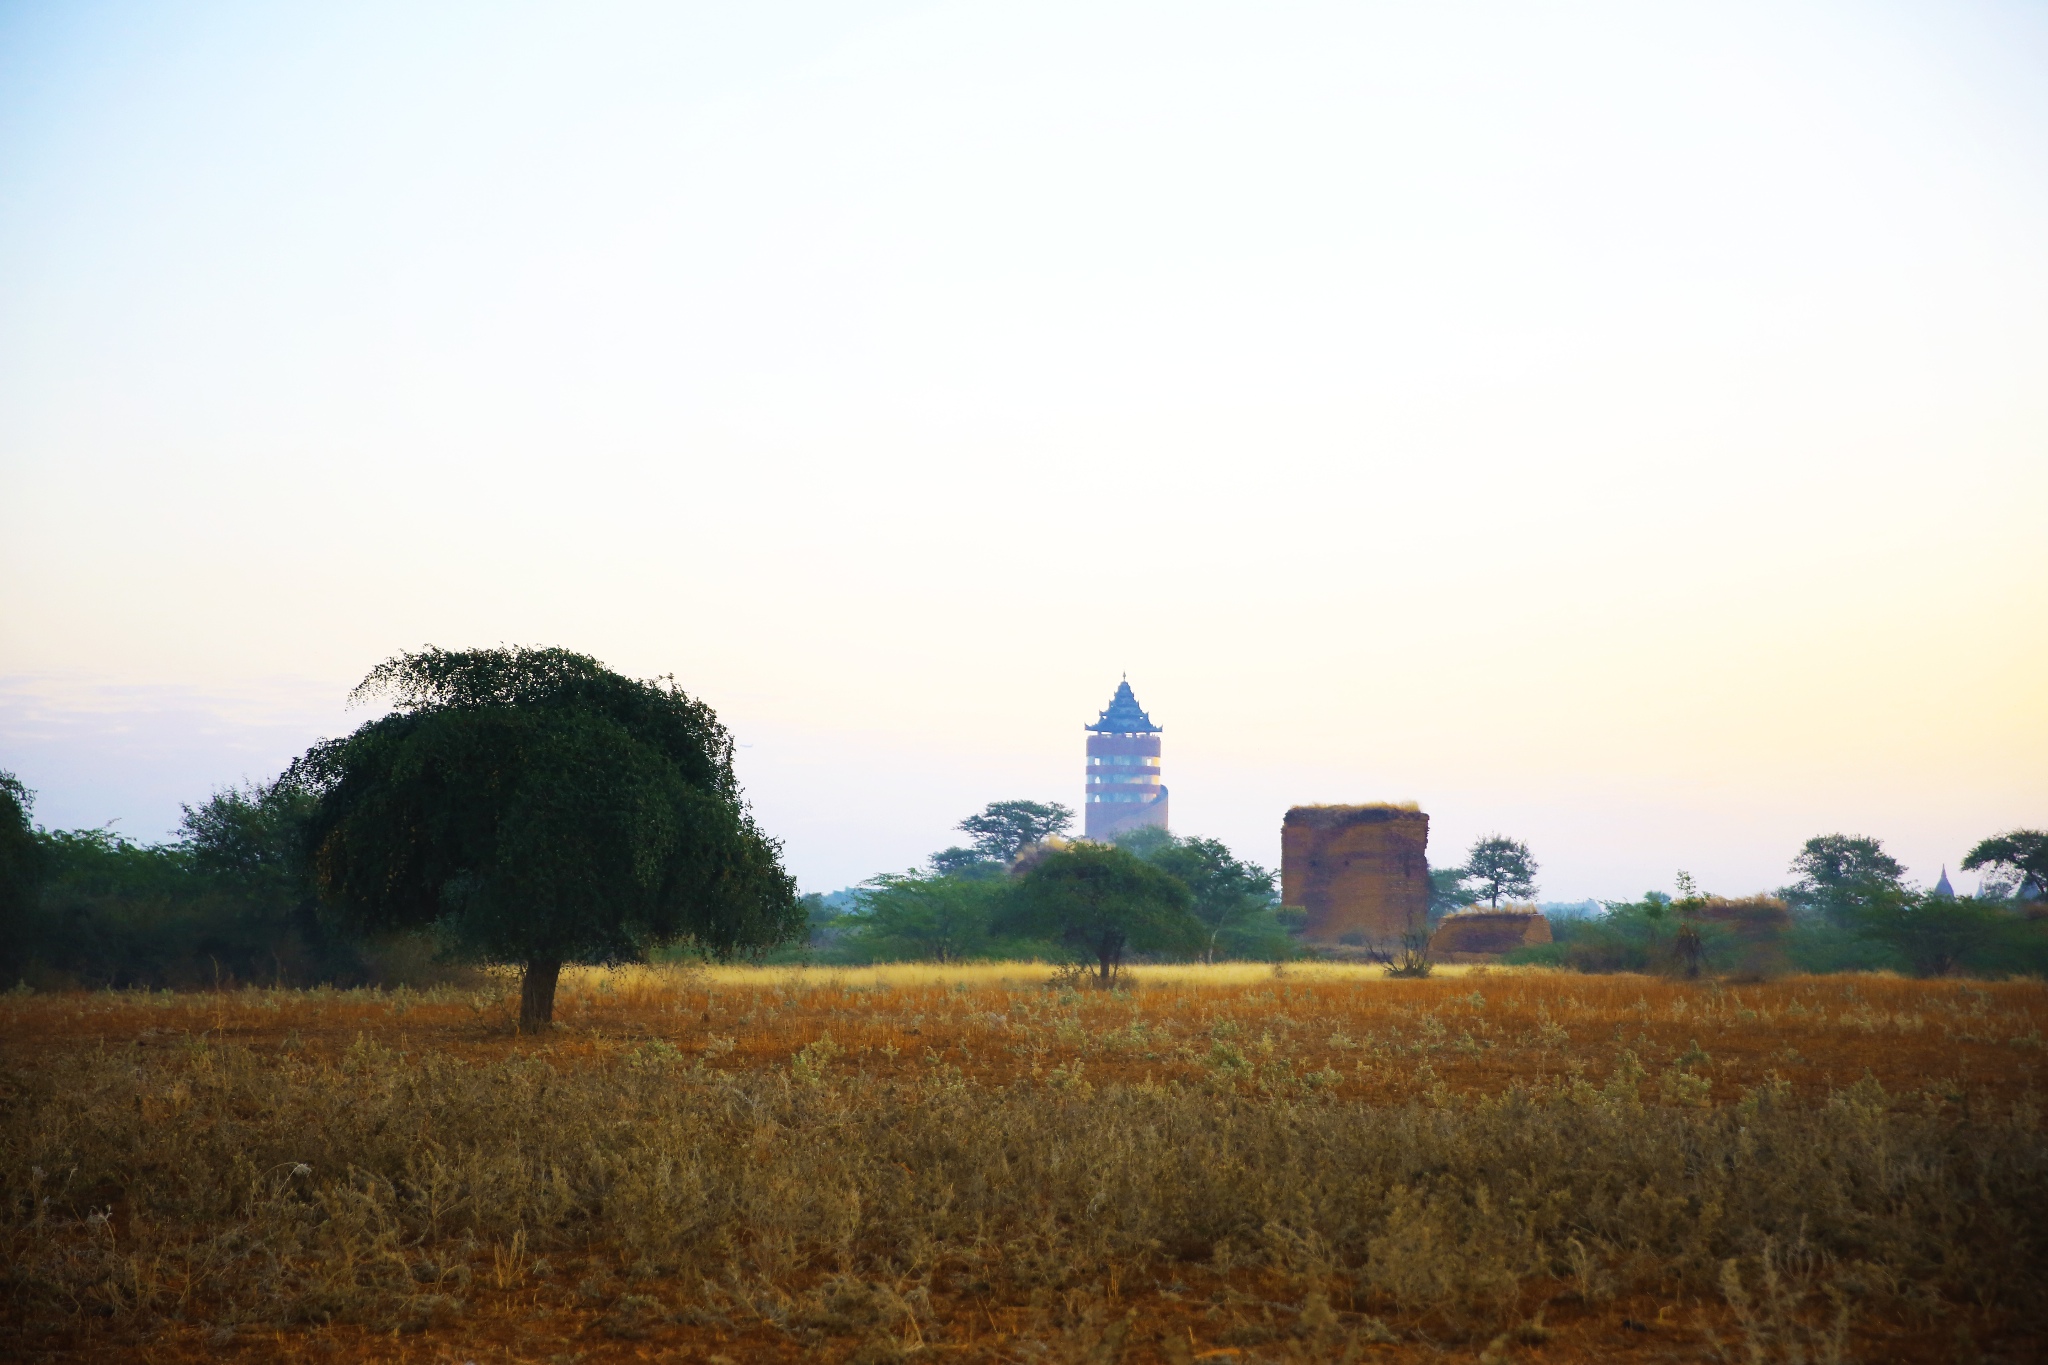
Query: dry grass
[960, 1163]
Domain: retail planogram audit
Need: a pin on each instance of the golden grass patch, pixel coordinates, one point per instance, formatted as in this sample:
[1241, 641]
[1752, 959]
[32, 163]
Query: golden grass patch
[963, 1162]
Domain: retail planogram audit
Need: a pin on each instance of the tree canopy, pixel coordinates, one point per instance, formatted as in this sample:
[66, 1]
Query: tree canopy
[1841, 876]
[256, 834]
[1448, 892]
[21, 867]
[536, 807]
[1502, 867]
[2022, 852]
[1103, 900]
[941, 918]
[1006, 828]
[1232, 899]
[963, 862]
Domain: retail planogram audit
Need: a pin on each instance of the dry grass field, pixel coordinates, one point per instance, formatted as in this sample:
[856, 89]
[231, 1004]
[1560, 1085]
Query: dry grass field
[1226, 1164]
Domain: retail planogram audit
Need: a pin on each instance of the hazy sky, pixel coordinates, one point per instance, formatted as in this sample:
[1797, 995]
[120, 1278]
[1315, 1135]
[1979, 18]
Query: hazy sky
[1624, 426]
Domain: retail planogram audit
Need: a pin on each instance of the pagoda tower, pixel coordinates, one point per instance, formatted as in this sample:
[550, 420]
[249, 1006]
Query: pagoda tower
[1124, 791]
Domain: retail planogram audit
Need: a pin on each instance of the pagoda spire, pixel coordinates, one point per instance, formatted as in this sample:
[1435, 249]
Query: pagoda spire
[1123, 715]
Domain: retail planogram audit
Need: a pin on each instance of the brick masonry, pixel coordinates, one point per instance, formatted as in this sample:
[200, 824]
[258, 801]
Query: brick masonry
[1361, 872]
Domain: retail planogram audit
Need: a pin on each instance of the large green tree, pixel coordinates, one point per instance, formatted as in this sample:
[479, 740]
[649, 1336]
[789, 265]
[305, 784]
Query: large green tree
[2022, 852]
[1502, 867]
[1006, 828]
[1842, 877]
[1104, 901]
[538, 808]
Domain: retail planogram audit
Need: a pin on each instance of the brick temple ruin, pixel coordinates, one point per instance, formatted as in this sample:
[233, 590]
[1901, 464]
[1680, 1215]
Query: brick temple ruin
[1484, 934]
[1361, 872]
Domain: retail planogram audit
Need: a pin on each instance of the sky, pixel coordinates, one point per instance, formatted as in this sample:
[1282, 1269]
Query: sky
[1621, 426]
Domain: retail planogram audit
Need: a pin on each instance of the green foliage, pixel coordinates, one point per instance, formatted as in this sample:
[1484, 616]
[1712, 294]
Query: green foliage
[963, 862]
[1898, 930]
[1938, 935]
[226, 902]
[1006, 828]
[117, 913]
[1448, 892]
[1234, 900]
[1840, 876]
[1502, 867]
[1654, 934]
[1818, 946]
[1103, 900]
[254, 835]
[1632, 936]
[21, 871]
[2021, 852]
[536, 807]
[941, 919]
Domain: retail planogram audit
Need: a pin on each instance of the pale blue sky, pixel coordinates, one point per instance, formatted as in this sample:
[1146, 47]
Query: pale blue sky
[1622, 425]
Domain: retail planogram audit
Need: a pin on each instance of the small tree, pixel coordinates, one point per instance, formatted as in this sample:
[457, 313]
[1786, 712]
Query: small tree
[1104, 900]
[1502, 867]
[2022, 852]
[537, 808]
[1689, 945]
[1007, 828]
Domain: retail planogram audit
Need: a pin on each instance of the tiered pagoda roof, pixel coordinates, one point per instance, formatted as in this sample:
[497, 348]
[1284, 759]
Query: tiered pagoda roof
[1124, 716]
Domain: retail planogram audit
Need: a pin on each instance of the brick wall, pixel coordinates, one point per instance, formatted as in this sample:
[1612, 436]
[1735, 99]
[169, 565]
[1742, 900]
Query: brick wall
[1359, 871]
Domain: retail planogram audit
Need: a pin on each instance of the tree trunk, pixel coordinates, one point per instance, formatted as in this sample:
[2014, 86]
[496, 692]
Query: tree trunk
[1111, 956]
[537, 994]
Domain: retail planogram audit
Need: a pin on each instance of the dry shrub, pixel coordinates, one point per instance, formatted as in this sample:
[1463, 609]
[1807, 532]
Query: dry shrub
[871, 1165]
[236, 1187]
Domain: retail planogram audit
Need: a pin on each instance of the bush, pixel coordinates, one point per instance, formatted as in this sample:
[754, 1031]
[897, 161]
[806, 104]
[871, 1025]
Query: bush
[225, 904]
[1940, 935]
[1741, 938]
[946, 918]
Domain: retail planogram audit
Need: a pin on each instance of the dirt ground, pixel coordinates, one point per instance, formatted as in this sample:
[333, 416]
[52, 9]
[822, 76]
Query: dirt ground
[1327, 1034]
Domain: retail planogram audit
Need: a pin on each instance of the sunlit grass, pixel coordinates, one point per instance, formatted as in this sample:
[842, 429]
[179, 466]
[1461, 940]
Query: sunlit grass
[1004, 974]
[774, 1161]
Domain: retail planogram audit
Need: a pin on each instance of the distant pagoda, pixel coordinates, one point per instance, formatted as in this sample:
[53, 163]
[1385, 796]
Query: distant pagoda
[1124, 790]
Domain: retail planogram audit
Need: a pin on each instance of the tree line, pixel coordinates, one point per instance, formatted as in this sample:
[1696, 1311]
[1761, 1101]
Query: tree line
[521, 806]
[531, 807]
[1848, 907]
[1016, 889]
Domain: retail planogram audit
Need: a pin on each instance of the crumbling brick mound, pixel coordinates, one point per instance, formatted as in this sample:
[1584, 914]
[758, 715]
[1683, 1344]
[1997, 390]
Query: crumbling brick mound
[1360, 874]
[1752, 931]
[1487, 935]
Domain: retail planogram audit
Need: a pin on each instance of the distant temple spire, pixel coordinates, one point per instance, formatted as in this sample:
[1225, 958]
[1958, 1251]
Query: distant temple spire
[1123, 715]
[1124, 790]
[1942, 888]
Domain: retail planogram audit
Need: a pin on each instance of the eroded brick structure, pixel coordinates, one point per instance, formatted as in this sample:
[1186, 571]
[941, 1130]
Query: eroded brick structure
[1487, 935]
[1361, 872]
